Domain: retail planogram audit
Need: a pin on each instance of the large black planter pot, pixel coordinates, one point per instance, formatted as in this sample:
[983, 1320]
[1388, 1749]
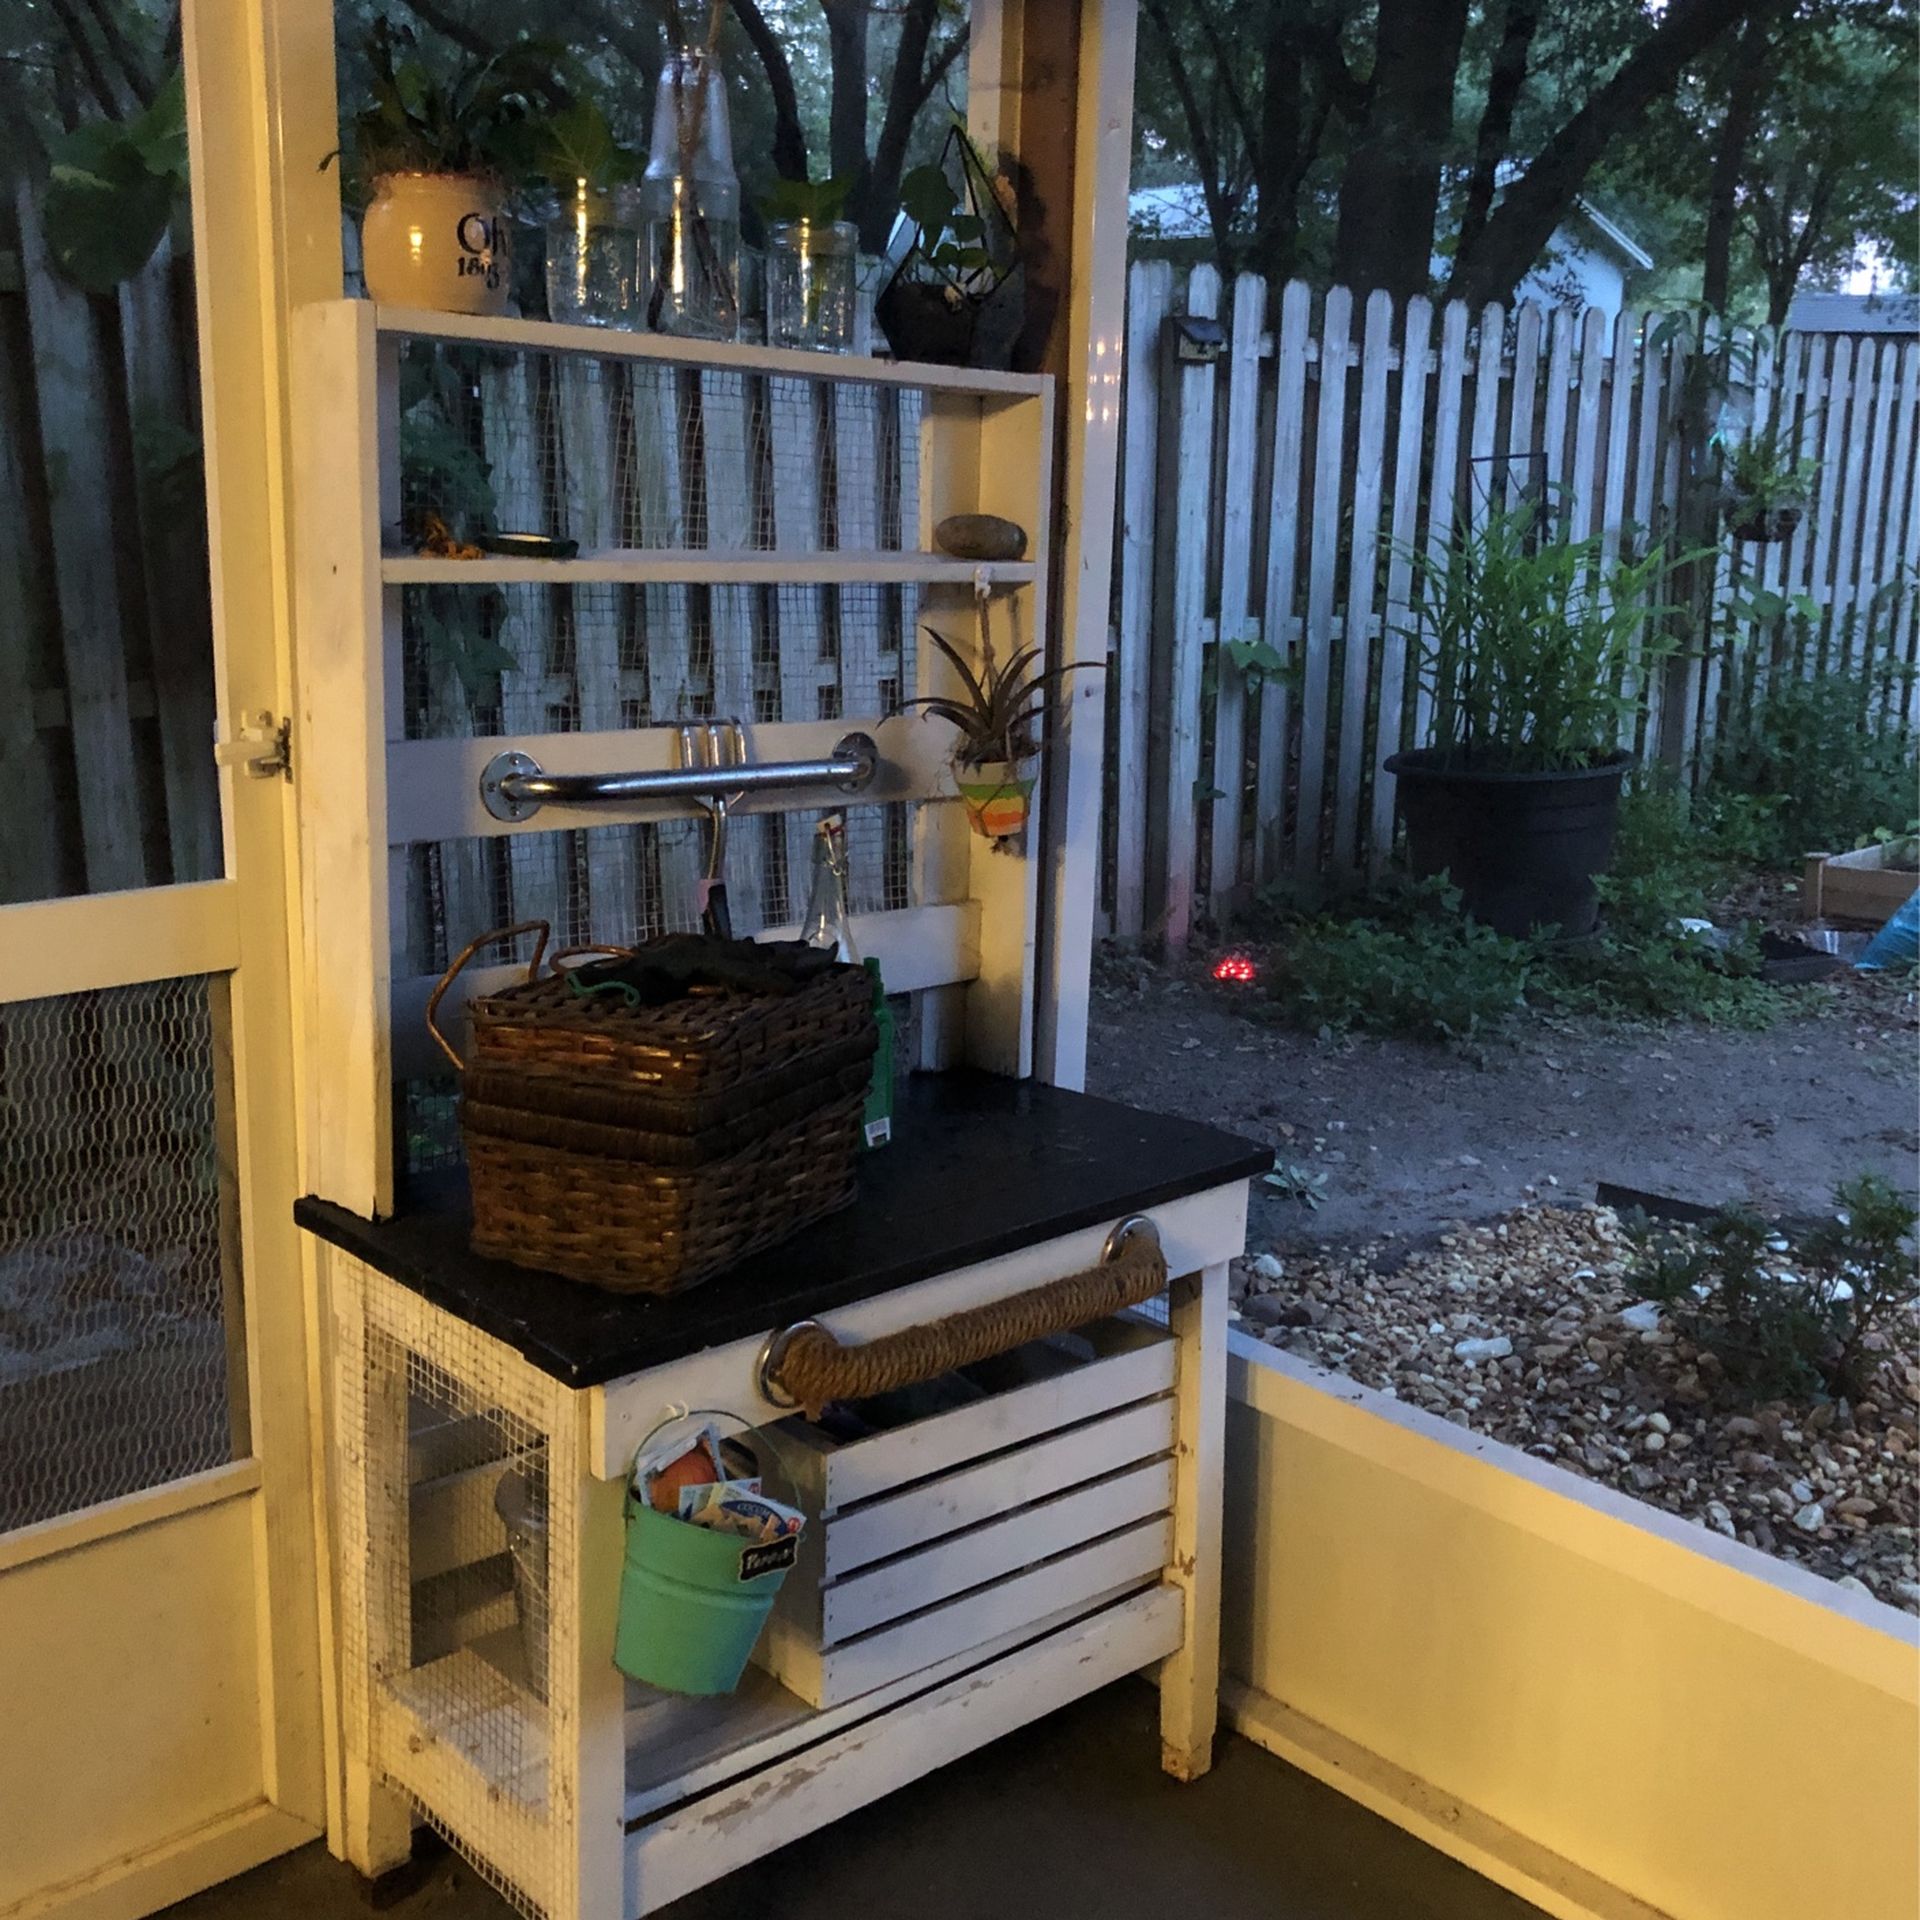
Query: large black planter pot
[1523, 848]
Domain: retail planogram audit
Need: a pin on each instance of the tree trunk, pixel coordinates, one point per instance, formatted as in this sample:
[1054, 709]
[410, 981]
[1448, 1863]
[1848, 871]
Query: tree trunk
[1729, 156]
[1276, 231]
[1391, 193]
[789, 134]
[912, 81]
[847, 121]
[1505, 78]
[1535, 205]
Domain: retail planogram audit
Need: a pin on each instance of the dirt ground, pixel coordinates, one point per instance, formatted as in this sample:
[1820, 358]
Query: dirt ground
[1412, 1137]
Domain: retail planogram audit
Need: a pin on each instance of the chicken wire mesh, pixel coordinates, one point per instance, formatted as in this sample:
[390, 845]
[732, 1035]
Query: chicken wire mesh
[621, 454]
[483, 661]
[456, 1473]
[117, 1288]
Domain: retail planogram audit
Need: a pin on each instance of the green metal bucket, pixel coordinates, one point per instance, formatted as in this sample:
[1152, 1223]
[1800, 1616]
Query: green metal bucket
[692, 1602]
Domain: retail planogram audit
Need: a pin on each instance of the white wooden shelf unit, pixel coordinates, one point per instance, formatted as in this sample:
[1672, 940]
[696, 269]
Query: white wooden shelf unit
[600, 435]
[477, 1681]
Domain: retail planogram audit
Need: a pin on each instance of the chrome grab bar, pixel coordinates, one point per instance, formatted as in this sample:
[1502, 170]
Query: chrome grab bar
[514, 787]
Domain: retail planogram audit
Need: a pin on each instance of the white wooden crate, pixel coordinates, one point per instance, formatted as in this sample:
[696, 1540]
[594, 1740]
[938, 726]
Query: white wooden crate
[933, 1537]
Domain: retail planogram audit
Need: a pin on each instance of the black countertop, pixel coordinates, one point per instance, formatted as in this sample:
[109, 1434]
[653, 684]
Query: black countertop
[979, 1166]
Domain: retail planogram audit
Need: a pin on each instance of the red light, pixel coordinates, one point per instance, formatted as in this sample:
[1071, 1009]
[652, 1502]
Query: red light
[1235, 967]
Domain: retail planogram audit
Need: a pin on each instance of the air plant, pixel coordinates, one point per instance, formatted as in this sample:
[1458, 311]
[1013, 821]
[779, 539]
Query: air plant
[999, 709]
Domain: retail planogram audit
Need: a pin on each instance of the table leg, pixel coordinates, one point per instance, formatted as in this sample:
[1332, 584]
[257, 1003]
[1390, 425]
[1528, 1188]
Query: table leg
[1190, 1678]
[589, 1693]
[370, 1386]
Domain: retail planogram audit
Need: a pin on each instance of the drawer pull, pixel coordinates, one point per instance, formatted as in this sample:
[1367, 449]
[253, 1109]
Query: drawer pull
[806, 1366]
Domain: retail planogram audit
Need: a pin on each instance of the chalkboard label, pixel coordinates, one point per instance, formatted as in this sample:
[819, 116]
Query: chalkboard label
[775, 1557]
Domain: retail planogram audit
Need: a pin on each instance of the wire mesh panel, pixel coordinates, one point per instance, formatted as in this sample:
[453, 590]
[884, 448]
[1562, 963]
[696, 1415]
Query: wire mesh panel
[117, 1289]
[621, 454]
[486, 660]
[456, 1476]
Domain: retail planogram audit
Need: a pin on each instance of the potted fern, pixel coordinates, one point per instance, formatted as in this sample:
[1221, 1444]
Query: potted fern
[428, 154]
[997, 714]
[1525, 645]
[1765, 489]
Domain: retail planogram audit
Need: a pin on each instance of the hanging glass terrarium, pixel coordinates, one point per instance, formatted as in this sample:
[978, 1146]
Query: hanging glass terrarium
[691, 198]
[958, 296]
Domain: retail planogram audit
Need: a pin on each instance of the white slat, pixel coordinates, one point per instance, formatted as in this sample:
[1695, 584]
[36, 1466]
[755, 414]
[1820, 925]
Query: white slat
[1180, 580]
[1149, 296]
[970, 1495]
[1370, 465]
[1444, 507]
[1486, 415]
[1323, 551]
[1406, 502]
[1586, 439]
[1236, 565]
[1523, 424]
[793, 435]
[1626, 330]
[1854, 579]
[1901, 506]
[1796, 575]
[1826, 509]
[998, 1548]
[1283, 548]
[1553, 434]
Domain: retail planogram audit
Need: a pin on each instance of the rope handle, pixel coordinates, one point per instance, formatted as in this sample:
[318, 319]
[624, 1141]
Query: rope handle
[467, 952]
[805, 1366]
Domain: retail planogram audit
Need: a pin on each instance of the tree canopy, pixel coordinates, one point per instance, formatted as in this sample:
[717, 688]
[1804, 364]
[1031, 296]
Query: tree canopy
[1437, 145]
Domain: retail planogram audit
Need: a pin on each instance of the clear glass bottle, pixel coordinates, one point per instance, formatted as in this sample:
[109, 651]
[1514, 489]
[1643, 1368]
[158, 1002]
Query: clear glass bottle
[826, 925]
[594, 238]
[810, 284]
[691, 195]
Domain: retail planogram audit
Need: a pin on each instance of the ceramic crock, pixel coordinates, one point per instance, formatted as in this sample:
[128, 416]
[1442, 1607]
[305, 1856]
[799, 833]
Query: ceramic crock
[436, 240]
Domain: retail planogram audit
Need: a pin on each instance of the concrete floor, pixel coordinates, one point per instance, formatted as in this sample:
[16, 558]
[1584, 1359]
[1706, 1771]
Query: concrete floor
[1067, 1818]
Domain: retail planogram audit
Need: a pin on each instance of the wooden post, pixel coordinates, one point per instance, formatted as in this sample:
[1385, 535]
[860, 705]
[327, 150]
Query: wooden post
[1190, 1679]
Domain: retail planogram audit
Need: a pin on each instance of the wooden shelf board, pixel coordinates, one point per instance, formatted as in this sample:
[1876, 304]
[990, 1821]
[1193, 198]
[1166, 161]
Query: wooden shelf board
[739, 356]
[701, 565]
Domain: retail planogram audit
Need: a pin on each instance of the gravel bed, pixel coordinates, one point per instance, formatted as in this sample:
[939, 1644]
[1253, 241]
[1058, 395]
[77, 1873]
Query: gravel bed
[1525, 1330]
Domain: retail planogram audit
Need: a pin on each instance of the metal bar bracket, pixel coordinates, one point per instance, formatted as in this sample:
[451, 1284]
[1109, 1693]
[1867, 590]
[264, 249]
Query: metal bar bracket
[514, 786]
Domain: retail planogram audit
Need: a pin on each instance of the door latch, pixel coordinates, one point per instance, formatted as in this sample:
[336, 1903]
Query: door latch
[261, 748]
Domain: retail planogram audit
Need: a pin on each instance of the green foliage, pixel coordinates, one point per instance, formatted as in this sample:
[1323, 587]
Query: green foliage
[999, 708]
[463, 114]
[1668, 865]
[570, 149]
[1415, 966]
[1291, 1181]
[1762, 472]
[113, 188]
[952, 237]
[1786, 1321]
[1824, 775]
[818, 202]
[1524, 641]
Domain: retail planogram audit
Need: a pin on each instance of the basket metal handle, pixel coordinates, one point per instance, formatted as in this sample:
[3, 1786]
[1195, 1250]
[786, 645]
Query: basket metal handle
[467, 952]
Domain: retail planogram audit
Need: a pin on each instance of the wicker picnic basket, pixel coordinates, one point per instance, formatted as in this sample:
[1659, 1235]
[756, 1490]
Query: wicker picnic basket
[642, 1147]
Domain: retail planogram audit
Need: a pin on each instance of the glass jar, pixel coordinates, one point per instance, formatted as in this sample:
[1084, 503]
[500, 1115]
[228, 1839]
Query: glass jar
[810, 284]
[691, 197]
[593, 243]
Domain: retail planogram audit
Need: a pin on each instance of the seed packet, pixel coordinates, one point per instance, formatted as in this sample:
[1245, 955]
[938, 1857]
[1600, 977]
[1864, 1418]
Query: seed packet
[729, 1507]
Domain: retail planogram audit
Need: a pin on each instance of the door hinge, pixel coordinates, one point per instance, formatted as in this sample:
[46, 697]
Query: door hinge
[262, 748]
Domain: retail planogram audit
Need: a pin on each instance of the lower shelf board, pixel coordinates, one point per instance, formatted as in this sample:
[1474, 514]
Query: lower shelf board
[764, 1780]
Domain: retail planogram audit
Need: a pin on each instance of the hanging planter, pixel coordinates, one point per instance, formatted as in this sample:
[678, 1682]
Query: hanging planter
[1764, 524]
[1765, 489]
[997, 797]
[998, 713]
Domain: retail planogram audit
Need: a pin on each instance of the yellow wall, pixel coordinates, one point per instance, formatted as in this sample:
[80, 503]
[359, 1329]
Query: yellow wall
[1667, 1712]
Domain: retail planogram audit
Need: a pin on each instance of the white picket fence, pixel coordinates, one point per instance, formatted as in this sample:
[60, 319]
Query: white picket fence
[1277, 491]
